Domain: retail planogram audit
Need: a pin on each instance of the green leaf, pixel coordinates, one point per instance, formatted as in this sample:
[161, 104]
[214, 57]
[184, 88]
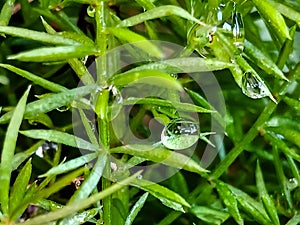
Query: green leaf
[60, 137]
[80, 38]
[265, 197]
[292, 103]
[273, 18]
[295, 220]
[47, 54]
[19, 187]
[90, 182]
[35, 79]
[80, 218]
[290, 134]
[250, 206]
[9, 149]
[51, 102]
[158, 12]
[6, 12]
[75, 207]
[70, 165]
[136, 208]
[161, 155]
[135, 39]
[54, 39]
[49, 205]
[161, 102]
[20, 157]
[185, 65]
[153, 77]
[165, 195]
[287, 11]
[230, 201]
[41, 118]
[263, 61]
[209, 215]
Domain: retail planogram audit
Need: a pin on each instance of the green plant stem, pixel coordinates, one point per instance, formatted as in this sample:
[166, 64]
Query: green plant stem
[252, 133]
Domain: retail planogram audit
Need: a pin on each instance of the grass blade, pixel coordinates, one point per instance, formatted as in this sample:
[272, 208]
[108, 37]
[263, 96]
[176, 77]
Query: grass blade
[37, 36]
[19, 187]
[60, 137]
[265, 197]
[209, 215]
[161, 155]
[9, 149]
[158, 12]
[70, 165]
[35, 79]
[136, 208]
[52, 102]
[165, 195]
[230, 201]
[60, 53]
[135, 39]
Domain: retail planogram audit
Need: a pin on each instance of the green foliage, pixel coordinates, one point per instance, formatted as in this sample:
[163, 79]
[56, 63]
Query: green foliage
[70, 103]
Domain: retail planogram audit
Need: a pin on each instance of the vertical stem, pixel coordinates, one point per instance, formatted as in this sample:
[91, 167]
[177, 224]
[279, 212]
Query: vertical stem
[101, 42]
[102, 104]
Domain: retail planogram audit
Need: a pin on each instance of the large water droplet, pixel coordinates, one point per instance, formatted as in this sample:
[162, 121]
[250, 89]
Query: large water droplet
[91, 11]
[180, 134]
[292, 183]
[233, 28]
[253, 87]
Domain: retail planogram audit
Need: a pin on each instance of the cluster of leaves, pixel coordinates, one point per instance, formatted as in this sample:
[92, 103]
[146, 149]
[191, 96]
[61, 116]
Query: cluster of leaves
[50, 43]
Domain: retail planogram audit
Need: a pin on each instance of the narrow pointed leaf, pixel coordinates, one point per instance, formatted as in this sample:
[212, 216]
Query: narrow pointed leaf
[136, 208]
[250, 206]
[265, 197]
[60, 53]
[37, 36]
[52, 102]
[19, 187]
[60, 137]
[70, 165]
[135, 39]
[158, 12]
[165, 195]
[273, 18]
[230, 201]
[295, 220]
[263, 61]
[186, 65]
[287, 11]
[9, 149]
[35, 79]
[161, 155]
[209, 215]
[161, 102]
[153, 77]
[90, 182]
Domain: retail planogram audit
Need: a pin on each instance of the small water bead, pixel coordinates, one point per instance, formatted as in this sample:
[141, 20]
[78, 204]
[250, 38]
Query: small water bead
[91, 11]
[253, 87]
[63, 108]
[180, 134]
[292, 183]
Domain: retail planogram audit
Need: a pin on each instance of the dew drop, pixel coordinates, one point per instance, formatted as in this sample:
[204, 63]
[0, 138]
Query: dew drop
[292, 183]
[91, 11]
[139, 177]
[63, 108]
[180, 134]
[253, 87]
[238, 31]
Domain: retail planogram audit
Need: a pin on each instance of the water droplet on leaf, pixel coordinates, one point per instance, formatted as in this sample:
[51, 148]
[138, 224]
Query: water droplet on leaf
[238, 31]
[253, 87]
[292, 183]
[180, 134]
[91, 11]
[63, 108]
